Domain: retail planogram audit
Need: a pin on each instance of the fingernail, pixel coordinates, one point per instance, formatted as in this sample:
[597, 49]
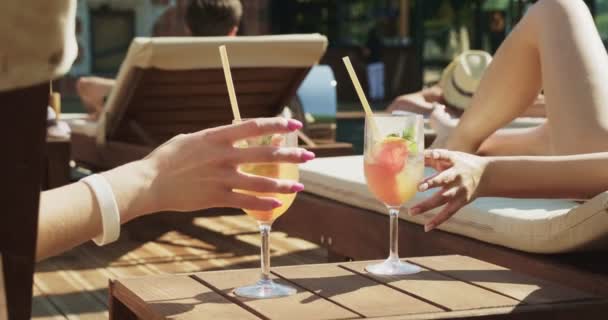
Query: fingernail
[307, 155]
[293, 124]
[297, 187]
[429, 227]
[423, 187]
[276, 203]
[414, 211]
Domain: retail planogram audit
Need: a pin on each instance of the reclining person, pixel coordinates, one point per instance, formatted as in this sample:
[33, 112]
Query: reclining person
[459, 81]
[567, 156]
[204, 18]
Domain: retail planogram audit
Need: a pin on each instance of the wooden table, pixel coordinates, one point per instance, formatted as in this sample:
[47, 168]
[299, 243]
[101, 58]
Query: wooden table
[449, 287]
[351, 233]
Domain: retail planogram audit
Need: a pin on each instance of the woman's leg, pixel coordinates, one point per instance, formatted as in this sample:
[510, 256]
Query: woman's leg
[557, 44]
[504, 142]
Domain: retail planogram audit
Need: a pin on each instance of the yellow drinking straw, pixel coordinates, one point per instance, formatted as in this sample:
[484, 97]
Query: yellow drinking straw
[229, 84]
[54, 100]
[360, 93]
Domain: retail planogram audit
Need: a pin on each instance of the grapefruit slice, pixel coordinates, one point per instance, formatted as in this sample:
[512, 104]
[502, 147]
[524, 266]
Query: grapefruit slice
[392, 154]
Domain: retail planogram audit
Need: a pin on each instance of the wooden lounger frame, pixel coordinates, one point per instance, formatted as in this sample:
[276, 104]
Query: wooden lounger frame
[22, 138]
[353, 233]
[159, 104]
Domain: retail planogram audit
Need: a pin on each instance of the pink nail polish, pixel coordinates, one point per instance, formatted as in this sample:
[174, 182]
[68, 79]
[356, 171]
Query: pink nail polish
[276, 203]
[307, 155]
[297, 187]
[423, 187]
[294, 124]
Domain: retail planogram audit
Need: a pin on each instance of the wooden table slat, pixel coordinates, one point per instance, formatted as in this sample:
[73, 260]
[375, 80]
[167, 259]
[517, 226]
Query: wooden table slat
[444, 291]
[302, 305]
[177, 297]
[519, 286]
[356, 292]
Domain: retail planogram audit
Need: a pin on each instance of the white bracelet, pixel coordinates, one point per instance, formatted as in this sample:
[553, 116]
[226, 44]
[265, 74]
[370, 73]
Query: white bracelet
[110, 217]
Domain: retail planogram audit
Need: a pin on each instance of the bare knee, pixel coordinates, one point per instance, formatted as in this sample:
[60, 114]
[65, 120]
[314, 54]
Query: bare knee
[551, 12]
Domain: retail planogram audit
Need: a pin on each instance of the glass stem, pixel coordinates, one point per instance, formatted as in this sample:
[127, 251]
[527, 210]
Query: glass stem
[265, 251]
[394, 233]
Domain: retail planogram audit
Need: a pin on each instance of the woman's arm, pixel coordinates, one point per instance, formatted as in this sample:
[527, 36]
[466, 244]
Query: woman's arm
[70, 215]
[190, 172]
[463, 177]
[417, 102]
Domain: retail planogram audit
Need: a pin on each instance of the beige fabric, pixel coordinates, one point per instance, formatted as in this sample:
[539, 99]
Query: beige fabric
[532, 225]
[38, 41]
[186, 53]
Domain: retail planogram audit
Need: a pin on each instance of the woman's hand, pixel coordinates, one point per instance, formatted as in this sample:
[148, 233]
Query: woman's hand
[413, 102]
[459, 175]
[421, 102]
[200, 170]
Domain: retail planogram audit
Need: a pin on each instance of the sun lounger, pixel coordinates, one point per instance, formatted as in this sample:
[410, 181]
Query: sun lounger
[536, 235]
[168, 86]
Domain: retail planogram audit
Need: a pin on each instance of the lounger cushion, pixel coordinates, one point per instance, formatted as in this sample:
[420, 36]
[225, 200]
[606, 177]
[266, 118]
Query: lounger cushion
[81, 124]
[186, 53]
[532, 225]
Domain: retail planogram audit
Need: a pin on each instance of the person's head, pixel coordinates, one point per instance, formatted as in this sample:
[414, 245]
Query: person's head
[461, 78]
[207, 18]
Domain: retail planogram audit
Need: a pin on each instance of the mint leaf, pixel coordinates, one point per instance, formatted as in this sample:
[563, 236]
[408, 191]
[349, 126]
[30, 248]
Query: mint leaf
[409, 134]
[412, 147]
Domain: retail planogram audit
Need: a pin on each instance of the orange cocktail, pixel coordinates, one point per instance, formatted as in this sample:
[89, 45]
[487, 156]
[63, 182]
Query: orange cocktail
[266, 287]
[287, 171]
[392, 176]
[393, 165]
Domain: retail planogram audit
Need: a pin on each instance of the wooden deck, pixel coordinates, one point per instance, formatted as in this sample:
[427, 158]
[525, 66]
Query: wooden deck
[75, 284]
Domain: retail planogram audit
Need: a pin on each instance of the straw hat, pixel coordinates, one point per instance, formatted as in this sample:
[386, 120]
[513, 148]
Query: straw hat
[462, 76]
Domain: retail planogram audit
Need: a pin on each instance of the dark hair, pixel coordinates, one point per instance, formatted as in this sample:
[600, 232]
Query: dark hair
[213, 17]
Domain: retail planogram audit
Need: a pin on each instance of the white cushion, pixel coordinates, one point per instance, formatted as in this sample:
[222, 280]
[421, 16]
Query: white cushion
[81, 124]
[532, 225]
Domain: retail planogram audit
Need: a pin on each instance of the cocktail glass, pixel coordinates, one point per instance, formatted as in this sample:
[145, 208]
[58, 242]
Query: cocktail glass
[393, 165]
[266, 287]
